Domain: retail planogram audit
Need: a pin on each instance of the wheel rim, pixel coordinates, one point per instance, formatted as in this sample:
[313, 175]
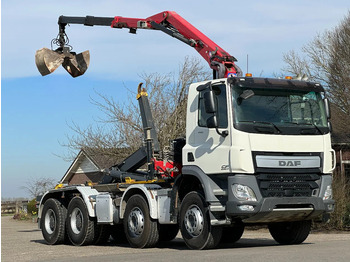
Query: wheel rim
[136, 222]
[50, 221]
[194, 221]
[76, 221]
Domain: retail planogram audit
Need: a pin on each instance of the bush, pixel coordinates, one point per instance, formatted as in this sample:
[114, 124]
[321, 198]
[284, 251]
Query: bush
[340, 218]
[22, 216]
[31, 208]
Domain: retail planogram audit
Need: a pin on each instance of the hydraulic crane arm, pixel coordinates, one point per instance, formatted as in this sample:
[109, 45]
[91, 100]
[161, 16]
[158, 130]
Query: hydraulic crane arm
[168, 22]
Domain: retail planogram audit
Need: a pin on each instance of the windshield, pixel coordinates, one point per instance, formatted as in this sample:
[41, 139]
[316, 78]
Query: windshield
[265, 110]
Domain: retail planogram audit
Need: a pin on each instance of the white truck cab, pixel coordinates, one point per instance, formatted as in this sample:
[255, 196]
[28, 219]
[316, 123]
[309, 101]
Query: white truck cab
[261, 148]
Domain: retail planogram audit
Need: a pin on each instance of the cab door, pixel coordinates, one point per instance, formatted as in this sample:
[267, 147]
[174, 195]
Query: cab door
[209, 147]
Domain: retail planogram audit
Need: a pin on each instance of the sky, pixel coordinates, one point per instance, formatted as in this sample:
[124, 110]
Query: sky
[36, 110]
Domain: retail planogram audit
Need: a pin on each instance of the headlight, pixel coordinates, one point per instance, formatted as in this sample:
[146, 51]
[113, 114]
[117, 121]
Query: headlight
[328, 193]
[243, 193]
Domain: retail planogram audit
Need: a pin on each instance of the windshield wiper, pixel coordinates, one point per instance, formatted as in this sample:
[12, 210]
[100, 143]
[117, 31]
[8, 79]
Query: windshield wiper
[306, 124]
[262, 122]
[316, 127]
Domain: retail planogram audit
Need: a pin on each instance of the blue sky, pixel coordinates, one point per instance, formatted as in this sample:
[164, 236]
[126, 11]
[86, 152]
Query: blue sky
[35, 109]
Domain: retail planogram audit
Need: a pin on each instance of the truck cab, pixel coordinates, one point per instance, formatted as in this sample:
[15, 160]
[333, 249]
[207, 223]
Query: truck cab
[261, 150]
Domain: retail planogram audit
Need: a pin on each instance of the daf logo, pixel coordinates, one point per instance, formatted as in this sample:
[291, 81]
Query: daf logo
[289, 163]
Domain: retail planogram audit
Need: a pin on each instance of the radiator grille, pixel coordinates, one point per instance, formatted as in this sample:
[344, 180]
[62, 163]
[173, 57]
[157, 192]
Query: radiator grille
[287, 185]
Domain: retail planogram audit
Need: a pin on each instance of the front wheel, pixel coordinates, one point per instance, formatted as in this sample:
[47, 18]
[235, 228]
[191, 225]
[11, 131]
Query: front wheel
[140, 229]
[195, 226]
[289, 233]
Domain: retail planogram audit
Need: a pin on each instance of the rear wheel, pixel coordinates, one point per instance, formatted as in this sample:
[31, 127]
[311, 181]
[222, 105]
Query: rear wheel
[80, 227]
[140, 229]
[289, 233]
[53, 221]
[195, 223]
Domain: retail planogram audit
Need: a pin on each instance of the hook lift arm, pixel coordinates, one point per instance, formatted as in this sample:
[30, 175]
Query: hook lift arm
[168, 22]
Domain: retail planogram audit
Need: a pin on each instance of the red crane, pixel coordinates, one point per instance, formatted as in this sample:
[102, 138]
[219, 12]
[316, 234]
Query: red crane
[168, 22]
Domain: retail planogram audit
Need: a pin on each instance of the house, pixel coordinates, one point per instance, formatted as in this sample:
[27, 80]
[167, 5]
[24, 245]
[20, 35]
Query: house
[341, 141]
[341, 146]
[88, 167]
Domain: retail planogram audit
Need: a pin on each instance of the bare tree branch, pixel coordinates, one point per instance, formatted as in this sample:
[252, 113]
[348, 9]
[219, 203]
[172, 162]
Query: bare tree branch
[326, 59]
[121, 125]
[38, 186]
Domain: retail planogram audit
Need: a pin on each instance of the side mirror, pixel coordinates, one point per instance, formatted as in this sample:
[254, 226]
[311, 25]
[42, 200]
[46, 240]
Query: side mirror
[210, 102]
[328, 108]
[212, 122]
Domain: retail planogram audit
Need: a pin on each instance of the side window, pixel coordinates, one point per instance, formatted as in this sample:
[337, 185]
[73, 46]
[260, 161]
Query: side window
[220, 94]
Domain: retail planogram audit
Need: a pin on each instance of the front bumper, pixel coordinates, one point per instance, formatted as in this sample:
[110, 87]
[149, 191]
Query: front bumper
[279, 209]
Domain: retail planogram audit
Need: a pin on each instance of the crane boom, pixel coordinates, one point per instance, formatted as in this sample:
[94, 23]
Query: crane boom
[168, 22]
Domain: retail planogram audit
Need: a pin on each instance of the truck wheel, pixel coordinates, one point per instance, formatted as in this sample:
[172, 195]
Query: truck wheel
[80, 227]
[53, 221]
[289, 233]
[168, 232]
[232, 234]
[195, 223]
[141, 231]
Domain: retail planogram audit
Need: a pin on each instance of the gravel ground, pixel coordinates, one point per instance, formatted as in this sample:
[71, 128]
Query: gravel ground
[22, 241]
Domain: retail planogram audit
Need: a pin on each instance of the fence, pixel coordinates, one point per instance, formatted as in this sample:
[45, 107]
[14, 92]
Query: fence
[14, 207]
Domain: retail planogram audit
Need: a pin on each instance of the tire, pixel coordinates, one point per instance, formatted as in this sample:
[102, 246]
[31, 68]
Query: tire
[80, 227]
[168, 232]
[233, 233]
[102, 234]
[289, 233]
[53, 222]
[141, 231]
[118, 234]
[195, 223]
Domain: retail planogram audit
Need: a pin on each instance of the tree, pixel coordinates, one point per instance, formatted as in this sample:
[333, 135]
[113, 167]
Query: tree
[120, 132]
[327, 60]
[38, 186]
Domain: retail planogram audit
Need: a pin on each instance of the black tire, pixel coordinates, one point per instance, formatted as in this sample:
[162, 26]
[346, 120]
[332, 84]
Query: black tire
[232, 234]
[141, 231]
[195, 223]
[289, 233]
[53, 222]
[80, 227]
[118, 234]
[102, 234]
[168, 232]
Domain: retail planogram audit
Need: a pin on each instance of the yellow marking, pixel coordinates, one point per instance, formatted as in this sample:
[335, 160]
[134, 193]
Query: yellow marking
[59, 186]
